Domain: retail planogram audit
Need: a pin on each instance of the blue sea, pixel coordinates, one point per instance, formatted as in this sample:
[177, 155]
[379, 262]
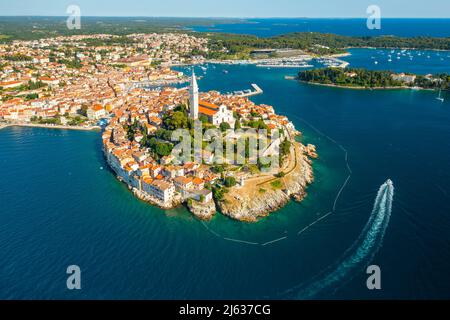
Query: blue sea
[347, 27]
[414, 61]
[61, 206]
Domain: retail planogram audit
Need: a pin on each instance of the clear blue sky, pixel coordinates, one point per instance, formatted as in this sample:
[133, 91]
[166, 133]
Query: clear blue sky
[231, 8]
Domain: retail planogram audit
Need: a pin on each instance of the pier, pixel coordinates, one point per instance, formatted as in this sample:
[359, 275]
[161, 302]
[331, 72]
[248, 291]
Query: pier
[333, 62]
[248, 93]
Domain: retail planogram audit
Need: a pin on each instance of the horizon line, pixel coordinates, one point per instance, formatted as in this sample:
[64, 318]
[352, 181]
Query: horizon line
[211, 17]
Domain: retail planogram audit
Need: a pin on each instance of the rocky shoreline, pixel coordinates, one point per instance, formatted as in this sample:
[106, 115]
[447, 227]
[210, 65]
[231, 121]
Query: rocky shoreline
[265, 199]
[203, 211]
[249, 203]
[155, 202]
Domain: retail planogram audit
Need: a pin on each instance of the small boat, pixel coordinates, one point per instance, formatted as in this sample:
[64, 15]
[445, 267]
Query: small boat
[225, 71]
[390, 60]
[376, 62]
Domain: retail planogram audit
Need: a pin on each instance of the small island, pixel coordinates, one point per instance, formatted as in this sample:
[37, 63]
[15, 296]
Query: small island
[140, 148]
[371, 79]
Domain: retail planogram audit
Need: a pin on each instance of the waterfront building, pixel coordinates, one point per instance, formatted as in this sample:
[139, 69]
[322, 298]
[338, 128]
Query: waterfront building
[183, 183]
[162, 190]
[204, 194]
[146, 183]
[96, 112]
[198, 183]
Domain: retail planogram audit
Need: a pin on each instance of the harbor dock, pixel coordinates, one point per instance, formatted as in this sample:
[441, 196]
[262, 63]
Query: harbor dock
[247, 93]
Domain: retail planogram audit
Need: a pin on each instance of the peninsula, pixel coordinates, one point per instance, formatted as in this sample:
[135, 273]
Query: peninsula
[126, 85]
[139, 147]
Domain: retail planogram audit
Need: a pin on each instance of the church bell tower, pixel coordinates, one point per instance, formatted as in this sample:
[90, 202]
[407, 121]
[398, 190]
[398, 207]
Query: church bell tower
[193, 97]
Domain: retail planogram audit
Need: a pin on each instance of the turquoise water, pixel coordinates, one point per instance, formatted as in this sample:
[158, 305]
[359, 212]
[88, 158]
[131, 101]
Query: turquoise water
[347, 27]
[60, 205]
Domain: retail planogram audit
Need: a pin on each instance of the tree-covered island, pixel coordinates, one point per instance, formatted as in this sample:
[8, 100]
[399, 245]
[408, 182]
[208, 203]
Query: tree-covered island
[371, 79]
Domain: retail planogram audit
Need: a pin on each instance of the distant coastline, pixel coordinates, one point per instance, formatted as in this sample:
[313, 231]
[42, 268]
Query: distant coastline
[45, 126]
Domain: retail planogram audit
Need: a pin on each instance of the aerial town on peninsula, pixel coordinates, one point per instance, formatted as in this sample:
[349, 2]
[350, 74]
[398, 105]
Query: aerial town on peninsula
[124, 83]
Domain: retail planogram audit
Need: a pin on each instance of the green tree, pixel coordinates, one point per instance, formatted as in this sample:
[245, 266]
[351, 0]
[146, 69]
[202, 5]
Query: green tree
[224, 126]
[176, 120]
[83, 110]
[218, 193]
[230, 182]
[204, 119]
[163, 149]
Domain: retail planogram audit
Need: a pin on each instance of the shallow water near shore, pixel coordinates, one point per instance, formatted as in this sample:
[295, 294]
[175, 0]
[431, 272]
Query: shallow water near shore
[62, 206]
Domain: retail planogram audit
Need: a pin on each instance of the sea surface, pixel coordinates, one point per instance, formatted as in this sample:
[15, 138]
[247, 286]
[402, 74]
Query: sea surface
[414, 61]
[61, 206]
[346, 27]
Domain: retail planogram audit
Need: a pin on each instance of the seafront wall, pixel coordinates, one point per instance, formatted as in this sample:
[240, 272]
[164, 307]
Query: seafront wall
[59, 127]
[45, 126]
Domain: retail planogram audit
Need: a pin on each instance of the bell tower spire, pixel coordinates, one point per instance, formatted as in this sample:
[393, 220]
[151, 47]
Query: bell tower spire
[193, 97]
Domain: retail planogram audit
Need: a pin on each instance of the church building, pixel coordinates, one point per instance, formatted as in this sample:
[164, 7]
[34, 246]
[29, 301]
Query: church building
[216, 114]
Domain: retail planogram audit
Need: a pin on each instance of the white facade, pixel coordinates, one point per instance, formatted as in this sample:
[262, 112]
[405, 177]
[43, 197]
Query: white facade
[193, 98]
[223, 115]
[162, 190]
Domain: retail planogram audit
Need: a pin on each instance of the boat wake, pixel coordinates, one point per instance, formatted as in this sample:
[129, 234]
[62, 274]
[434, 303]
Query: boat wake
[359, 255]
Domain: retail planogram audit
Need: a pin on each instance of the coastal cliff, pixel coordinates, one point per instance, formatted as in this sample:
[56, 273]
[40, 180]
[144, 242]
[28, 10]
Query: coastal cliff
[262, 196]
[203, 211]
